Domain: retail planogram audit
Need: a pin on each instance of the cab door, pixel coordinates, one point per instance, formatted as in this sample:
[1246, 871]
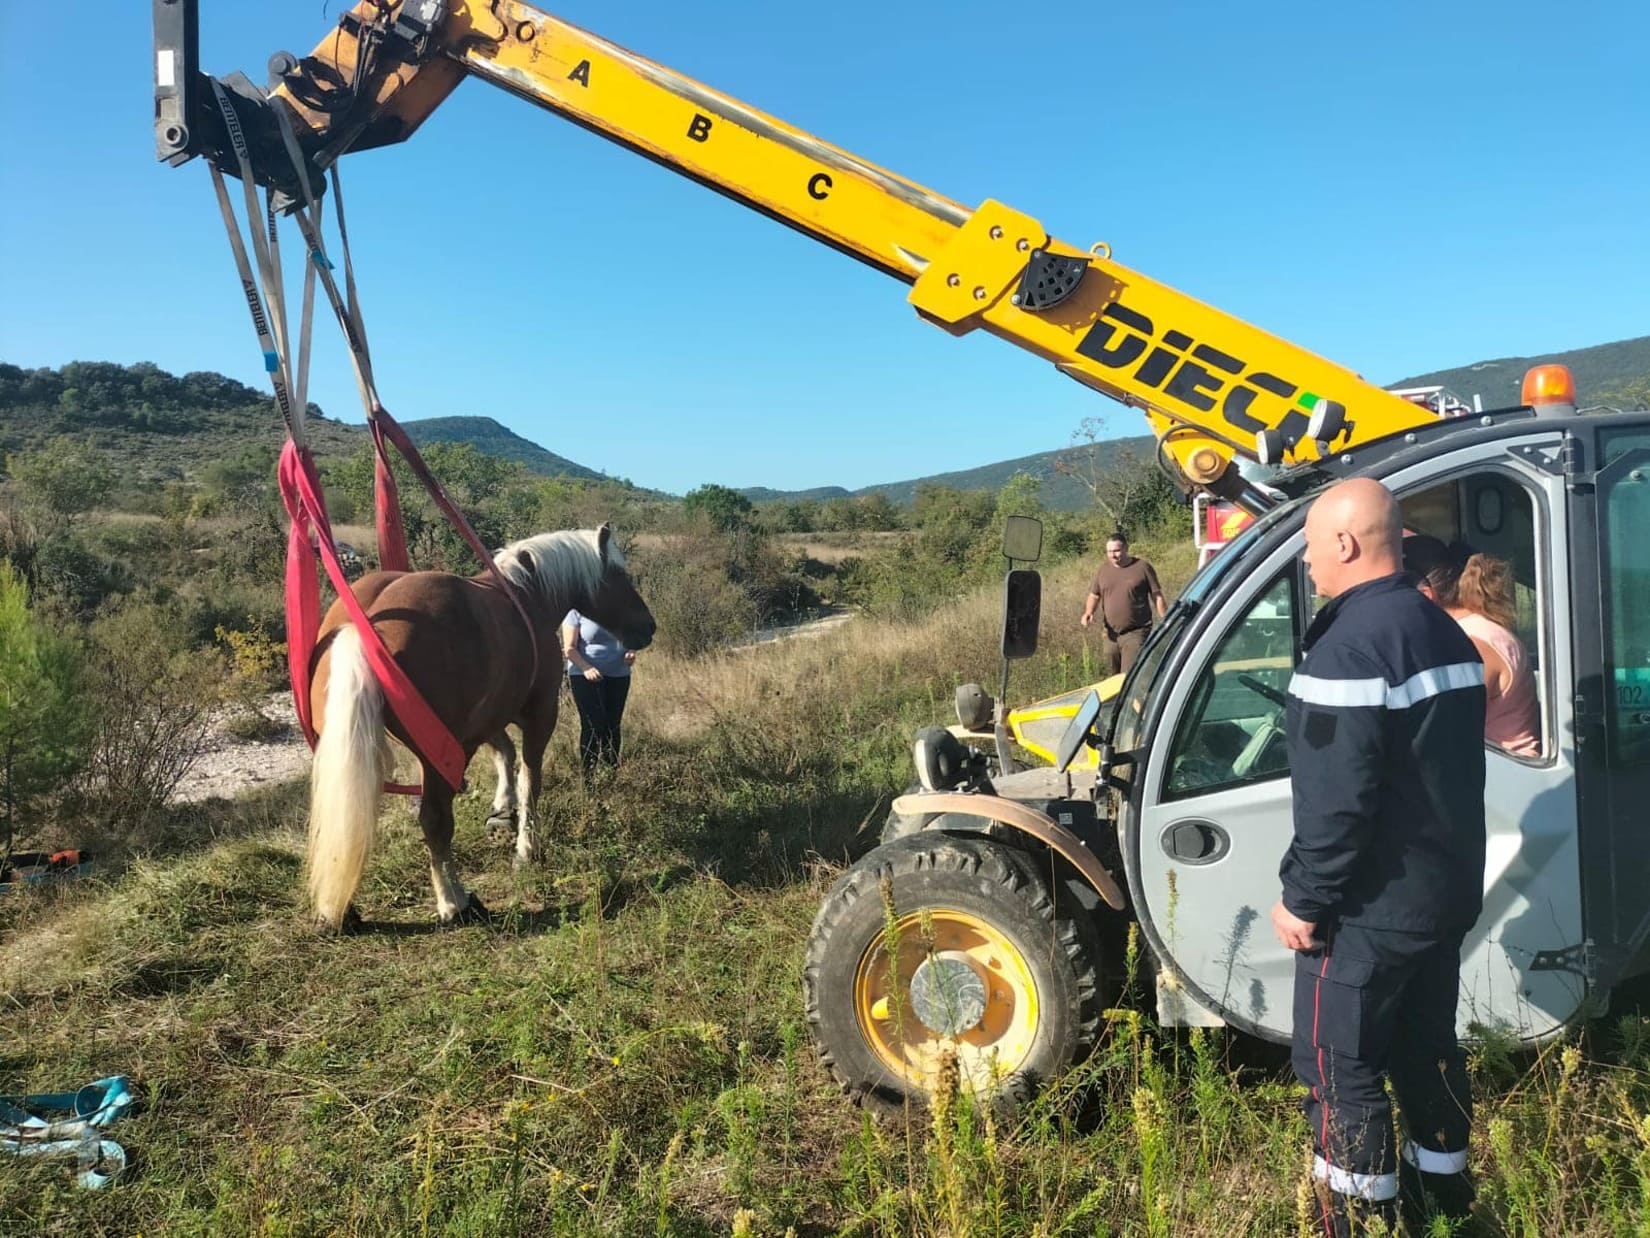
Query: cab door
[1612, 608]
[1214, 820]
[1215, 816]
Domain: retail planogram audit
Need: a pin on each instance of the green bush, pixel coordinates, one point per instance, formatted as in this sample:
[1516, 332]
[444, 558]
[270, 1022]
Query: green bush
[202, 608]
[71, 571]
[724, 508]
[45, 722]
[62, 478]
[697, 604]
[156, 693]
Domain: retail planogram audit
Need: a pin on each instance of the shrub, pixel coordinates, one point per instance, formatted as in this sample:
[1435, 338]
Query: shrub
[687, 587]
[723, 507]
[69, 570]
[221, 599]
[62, 478]
[156, 696]
[252, 546]
[44, 720]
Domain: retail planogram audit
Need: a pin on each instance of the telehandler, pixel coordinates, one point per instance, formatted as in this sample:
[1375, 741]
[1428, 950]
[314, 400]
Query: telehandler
[991, 930]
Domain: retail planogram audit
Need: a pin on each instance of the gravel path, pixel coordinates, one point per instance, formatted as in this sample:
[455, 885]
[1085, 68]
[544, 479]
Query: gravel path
[229, 766]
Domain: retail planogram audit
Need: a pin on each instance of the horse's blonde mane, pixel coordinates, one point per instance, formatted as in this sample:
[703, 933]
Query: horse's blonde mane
[563, 563]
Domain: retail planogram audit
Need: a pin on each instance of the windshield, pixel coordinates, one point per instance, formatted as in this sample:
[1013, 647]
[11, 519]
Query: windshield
[1129, 706]
[1129, 711]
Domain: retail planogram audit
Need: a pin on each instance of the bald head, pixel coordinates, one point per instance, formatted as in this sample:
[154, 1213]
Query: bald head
[1354, 533]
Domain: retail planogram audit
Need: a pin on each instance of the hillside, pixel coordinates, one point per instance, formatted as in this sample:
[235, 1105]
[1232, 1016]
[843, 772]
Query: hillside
[1599, 372]
[491, 438]
[153, 426]
[157, 427]
[1060, 493]
[1604, 373]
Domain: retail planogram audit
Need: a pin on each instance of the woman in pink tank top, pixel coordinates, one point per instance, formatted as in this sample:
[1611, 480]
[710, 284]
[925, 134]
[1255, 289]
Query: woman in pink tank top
[1477, 591]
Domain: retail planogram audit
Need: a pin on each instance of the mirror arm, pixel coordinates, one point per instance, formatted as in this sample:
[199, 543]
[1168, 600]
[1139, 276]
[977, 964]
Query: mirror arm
[1110, 759]
[1005, 758]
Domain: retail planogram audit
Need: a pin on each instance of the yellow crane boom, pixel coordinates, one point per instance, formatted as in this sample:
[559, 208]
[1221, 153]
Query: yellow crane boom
[1210, 385]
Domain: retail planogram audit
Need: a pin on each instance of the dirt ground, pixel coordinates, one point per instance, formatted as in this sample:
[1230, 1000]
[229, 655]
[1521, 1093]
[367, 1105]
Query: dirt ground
[230, 766]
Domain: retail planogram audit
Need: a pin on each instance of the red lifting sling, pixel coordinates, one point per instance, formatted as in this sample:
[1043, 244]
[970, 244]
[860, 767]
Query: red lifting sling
[310, 538]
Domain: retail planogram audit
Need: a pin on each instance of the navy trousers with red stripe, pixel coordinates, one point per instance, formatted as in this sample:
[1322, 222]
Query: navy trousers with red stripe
[1371, 1006]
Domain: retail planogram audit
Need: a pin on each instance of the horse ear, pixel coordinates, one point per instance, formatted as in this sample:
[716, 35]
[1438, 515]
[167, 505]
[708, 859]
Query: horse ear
[525, 558]
[603, 536]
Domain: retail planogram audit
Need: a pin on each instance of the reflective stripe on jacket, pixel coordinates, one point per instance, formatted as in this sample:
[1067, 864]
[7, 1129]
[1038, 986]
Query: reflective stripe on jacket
[1386, 760]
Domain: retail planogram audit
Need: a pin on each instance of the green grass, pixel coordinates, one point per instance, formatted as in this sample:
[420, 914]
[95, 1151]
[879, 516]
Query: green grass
[622, 1050]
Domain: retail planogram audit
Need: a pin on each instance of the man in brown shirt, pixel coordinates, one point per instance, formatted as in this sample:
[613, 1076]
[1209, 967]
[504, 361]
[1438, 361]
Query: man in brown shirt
[1126, 592]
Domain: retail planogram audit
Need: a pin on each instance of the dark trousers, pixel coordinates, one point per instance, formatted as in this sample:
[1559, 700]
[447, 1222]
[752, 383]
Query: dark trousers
[601, 710]
[1124, 648]
[1369, 1007]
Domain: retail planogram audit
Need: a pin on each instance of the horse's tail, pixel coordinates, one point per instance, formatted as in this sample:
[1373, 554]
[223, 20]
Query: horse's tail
[351, 758]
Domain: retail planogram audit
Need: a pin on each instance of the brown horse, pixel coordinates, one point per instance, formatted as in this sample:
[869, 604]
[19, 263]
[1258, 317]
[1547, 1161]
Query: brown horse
[467, 650]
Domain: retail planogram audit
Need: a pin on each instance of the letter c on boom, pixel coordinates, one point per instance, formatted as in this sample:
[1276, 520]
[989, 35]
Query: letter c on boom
[819, 186]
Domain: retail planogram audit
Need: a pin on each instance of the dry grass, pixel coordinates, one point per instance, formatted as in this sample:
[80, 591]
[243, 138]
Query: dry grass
[834, 548]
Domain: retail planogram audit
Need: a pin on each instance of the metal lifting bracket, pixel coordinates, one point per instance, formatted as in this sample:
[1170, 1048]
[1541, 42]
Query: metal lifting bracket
[988, 255]
[188, 120]
[1578, 958]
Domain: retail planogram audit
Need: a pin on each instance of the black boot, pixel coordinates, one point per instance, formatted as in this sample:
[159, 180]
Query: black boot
[1346, 1216]
[1423, 1196]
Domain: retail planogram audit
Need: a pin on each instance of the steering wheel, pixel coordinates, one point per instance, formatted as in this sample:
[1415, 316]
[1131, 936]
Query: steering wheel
[1265, 689]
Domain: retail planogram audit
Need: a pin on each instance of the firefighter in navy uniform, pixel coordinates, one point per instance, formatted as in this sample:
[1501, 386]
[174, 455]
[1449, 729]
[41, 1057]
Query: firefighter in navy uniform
[1385, 875]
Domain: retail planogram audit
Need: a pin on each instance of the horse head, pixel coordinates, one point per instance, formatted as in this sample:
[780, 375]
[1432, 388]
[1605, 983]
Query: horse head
[615, 603]
[581, 570]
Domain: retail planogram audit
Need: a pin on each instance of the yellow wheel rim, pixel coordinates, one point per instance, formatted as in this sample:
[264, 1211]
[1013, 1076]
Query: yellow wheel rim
[967, 979]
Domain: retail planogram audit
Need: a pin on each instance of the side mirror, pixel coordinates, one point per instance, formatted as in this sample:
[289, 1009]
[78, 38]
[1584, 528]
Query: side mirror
[1022, 607]
[1077, 732]
[1023, 539]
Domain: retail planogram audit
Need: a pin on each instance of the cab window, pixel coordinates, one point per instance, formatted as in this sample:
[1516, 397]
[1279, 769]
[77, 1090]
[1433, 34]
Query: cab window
[1492, 513]
[1232, 731]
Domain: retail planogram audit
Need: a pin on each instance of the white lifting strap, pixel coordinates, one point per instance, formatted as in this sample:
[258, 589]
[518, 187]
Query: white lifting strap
[271, 327]
[291, 383]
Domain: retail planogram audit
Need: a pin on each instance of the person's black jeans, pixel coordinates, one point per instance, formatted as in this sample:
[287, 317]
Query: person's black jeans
[601, 710]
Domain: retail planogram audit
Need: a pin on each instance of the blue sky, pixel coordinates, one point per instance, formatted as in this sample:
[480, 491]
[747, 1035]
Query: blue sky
[1399, 187]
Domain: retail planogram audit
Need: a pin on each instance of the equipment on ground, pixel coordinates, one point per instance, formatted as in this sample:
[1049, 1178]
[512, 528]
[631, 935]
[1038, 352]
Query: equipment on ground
[79, 1135]
[999, 936]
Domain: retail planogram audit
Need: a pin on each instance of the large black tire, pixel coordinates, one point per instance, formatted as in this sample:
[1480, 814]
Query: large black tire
[974, 880]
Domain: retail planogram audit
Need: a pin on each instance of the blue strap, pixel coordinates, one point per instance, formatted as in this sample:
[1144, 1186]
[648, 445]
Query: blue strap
[93, 1107]
[97, 1103]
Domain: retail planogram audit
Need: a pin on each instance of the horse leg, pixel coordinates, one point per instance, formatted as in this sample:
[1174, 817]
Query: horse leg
[503, 816]
[435, 815]
[535, 738]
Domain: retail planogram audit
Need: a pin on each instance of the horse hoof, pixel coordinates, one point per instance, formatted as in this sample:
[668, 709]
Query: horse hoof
[518, 862]
[473, 913]
[501, 827]
[349, 926]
